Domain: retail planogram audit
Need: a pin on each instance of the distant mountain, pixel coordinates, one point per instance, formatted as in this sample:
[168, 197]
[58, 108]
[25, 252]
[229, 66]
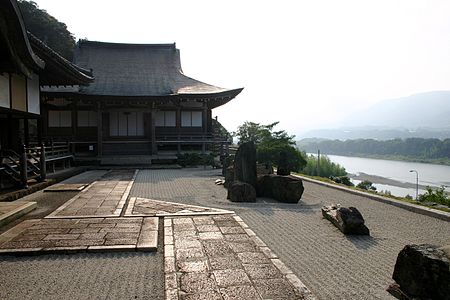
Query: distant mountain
[378, 133]
[423, 115]
[422, 110]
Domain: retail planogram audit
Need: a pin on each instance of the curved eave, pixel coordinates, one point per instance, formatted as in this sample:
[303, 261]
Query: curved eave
[14, 34]
[213, 99]
[58, 70]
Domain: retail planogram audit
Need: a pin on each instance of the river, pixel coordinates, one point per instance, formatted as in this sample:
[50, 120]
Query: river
[398, 178]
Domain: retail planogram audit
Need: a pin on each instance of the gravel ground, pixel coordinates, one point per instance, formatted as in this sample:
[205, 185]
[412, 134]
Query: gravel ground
[80, 276]
[83, 276]
[332, 265]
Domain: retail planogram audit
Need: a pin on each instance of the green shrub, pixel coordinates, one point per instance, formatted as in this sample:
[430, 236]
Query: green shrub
[195, 159]
[437, 196]
[327, 167]
[366, 185]
[345, 180]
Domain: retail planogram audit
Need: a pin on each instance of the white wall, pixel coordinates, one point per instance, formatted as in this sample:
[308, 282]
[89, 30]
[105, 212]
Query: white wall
[33, 94]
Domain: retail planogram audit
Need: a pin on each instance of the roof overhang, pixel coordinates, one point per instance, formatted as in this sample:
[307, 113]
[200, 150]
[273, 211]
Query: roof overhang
[213, 100]
[58, 71]
[15, 48]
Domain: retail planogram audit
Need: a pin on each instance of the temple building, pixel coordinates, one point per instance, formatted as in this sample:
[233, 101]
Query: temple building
[140, 103]
[26, 64]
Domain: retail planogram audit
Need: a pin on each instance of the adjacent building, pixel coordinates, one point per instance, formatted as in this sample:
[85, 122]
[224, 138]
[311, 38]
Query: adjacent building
[140, 103]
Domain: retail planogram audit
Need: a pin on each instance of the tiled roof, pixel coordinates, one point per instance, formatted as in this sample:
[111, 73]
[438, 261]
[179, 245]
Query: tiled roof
[139, 70]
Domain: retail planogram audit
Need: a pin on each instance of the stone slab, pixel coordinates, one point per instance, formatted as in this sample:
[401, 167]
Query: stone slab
[42, 236]
[77, 182]
[105, 197]
[211, 266]
[10, 211]
[142, 207]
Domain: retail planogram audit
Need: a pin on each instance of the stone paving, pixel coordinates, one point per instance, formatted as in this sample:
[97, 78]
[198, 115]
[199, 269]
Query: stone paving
[148, 207]
[78, 182]
[331, 265]
[10, 211]
[103, 198]
[77, 235]
[219, 257]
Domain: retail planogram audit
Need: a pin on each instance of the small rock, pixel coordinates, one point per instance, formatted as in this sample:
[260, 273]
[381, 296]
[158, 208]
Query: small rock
[283, 168]
[348, 220]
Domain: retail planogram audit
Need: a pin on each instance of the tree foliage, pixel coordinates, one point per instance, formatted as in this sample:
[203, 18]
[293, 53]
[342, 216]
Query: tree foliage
[270, 143]
[437, 196]
[47, 28]
[326, 167]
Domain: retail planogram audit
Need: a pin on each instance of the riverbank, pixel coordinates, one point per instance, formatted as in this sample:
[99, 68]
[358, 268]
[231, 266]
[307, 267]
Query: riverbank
[383, 180]
[435, 161]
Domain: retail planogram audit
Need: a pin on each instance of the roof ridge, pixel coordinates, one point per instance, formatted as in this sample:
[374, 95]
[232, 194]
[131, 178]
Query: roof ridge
[83, 42]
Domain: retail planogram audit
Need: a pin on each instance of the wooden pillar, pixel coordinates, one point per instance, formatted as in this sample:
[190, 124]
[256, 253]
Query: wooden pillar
[153, 131]
[26, 132]
[74, 120]
[10, 132]
[99, 131]
[23, 166]
[43, 164]
[39, 130]
[44, 122]
[205, 126]
[178, 127]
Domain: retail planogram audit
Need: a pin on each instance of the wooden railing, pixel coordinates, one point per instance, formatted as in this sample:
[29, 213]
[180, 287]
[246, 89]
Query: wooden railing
[31, 162]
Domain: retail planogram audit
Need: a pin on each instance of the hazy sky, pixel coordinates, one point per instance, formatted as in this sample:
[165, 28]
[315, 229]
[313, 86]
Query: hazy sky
[308, 64]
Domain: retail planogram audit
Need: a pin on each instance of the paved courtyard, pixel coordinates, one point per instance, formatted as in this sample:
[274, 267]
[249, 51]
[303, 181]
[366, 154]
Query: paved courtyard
[105, 198]
[331, 265]
[204, 250]
[209, 253]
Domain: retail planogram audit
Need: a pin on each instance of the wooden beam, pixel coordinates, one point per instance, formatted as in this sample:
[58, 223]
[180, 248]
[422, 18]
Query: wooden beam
[99, 131]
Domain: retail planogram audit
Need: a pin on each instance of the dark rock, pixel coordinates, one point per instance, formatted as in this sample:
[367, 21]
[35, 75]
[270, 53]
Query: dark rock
[423, 272]
[227, 162]
[288, 189]
[283, 167]
[348, 220]
[229, 176]
[245, 164]
[241, 192]
[263, 169]
[394, 290]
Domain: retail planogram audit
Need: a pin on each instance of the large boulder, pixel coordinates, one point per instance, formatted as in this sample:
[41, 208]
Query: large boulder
[245, 164]
[263, 169]
[348, 220]
[288, 189]
[240, 191]
[422, 272]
